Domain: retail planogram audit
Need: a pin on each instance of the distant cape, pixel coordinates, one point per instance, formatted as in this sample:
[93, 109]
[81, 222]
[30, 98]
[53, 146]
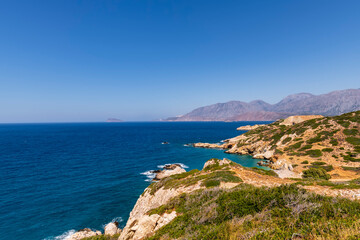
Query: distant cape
[330, 104]
[114, 120]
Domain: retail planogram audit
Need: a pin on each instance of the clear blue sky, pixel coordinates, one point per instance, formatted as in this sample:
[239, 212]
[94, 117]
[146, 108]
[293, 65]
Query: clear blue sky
[141, 60]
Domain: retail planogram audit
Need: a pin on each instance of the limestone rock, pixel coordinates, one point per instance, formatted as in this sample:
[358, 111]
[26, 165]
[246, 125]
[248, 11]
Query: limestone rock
[214, 161]
[112, 229]
[249, 127]
[140, 225]
[84, 233]
[166, 173]
[207, 145]
[292, 120]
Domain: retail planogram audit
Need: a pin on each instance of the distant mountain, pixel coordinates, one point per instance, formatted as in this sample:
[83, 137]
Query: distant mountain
[330, 104]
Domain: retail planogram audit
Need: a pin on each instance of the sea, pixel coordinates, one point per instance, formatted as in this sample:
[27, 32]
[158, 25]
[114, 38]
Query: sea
[57, 178]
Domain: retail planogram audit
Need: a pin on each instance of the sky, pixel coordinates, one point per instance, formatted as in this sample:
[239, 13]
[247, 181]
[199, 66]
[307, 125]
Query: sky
[138, 60]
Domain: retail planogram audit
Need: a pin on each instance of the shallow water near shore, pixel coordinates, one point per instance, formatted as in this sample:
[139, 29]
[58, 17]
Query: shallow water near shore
[57, 178]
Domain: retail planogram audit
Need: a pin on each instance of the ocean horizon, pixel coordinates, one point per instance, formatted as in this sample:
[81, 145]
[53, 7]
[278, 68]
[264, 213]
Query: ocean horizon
[57, 178]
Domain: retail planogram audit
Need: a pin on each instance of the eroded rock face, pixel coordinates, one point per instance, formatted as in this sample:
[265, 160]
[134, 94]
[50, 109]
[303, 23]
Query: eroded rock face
[140, 224]
[207, 145]
[112, 229]
[168, 171]
[249, 127]
[214, 161]
[84, 233]
[298, 119]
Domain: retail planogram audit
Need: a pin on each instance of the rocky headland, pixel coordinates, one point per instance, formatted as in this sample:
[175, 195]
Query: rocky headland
[312, 191]
[298, 143]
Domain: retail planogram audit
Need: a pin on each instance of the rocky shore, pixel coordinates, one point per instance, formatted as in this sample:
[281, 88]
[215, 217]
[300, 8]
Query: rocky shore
[111, 229]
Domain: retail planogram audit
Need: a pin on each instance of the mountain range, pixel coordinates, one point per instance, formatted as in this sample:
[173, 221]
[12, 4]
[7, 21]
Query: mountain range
[330, 104]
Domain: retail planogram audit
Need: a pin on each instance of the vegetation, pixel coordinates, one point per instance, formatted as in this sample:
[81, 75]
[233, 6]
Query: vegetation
[264, 172]
[103, 237]
[248, 212]
[353, 140]
[217, 175]
[316, 173]
[327, 149]
[314, 153]
[305, 162]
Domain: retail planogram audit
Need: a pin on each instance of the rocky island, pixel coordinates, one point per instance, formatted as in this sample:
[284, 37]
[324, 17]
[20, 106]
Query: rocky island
[224, 200]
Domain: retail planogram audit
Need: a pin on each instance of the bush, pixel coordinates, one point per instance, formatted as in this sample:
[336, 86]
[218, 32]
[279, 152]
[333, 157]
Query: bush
[286, 140]
[316, 173]
[314, 153]
[264, 172]
[305, 162]
[351, 132]
[318, 163]
[353, 140]
[334, 142]
[327, 150]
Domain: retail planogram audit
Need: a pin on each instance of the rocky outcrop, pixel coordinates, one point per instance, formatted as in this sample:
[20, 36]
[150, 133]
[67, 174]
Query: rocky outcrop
[249, 127]
[207, 145]
[168, 171]
[140, 224]
[112, 229]
[84, 233]
[216, 161]
[292, 120]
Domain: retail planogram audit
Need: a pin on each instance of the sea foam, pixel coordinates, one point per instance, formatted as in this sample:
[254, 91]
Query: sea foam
[66, 235]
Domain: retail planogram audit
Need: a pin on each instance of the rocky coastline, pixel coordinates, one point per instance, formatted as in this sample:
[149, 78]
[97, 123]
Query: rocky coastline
[160, 208]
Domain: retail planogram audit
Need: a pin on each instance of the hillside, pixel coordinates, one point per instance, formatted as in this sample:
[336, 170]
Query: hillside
[227, 201]
[330, 104]
[332, 143]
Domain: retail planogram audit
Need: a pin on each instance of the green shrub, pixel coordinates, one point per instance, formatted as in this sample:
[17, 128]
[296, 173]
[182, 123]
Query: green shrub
[327, 149]
[334, 142]
[353, 140]
[314, 153]
[316, 173]
[305, 162]
[264, 172]
[315, 140]
[286, 140]
[308, 146]
[317, 163]
[211, 183]
[351, 132]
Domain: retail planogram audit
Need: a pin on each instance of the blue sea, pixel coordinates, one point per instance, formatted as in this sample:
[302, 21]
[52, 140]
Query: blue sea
[58, 178]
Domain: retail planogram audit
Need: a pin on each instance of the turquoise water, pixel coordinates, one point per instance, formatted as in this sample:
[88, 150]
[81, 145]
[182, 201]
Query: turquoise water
[57, 178]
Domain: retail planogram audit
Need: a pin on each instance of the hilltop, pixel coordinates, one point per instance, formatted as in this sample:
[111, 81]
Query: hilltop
[330, 104]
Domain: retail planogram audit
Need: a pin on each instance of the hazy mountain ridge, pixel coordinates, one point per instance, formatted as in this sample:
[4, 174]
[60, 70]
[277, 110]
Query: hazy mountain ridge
[330, 104]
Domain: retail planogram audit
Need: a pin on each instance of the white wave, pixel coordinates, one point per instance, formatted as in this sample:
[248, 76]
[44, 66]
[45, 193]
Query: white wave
[117, 219]
[66, 235]
[149, 174]
[167, 164]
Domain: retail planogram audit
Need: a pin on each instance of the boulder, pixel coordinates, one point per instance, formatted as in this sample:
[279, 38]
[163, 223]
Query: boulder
[214, 161]
[112, 229]
[166, 173]
[84, 233]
